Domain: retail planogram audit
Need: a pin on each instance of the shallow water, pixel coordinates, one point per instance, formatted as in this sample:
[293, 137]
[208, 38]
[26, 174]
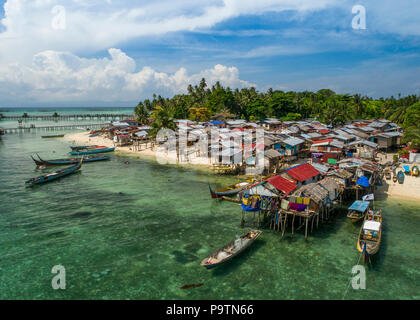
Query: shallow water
[140, 231]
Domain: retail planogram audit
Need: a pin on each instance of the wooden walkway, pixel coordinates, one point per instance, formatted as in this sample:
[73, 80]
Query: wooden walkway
[70, 117]
[53, 128]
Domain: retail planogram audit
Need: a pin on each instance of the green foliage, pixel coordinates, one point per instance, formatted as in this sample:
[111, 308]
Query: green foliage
[412, 125]
[141, 114]
[249, 104]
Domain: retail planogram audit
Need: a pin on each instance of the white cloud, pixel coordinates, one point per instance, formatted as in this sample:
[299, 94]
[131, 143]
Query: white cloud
[63, 76]
[95, 25]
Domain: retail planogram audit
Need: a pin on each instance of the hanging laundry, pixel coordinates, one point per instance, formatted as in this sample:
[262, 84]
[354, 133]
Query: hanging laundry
[285, 204]
[294, 206]
[301, 207]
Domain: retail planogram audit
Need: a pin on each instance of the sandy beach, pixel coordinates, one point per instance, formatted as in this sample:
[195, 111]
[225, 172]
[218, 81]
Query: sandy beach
[82, 138]
[409, 190]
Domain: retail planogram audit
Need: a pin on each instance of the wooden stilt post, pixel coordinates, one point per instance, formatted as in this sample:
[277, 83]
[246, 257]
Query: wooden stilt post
[293, 223]
[317, 219]
[306, 229]
[284, 226]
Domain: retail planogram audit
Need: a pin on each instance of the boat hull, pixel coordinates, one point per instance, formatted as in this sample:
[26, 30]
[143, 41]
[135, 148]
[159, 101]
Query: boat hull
[64, 162]
[54, 175]
[209, 265]
[369, 247]
[229, 191]
[400, 177]
[105, 150]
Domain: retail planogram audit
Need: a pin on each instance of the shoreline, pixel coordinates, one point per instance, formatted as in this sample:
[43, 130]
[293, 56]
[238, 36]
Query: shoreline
[83, 138]
[409, 190]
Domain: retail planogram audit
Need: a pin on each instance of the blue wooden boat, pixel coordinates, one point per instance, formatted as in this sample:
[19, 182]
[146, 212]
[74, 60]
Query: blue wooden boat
[400, 177]
[357, 211]
[407, 170]
[54, 175]
[78, 148]
[92, 151]
[68, 161]
[231, 250]
[94, 135]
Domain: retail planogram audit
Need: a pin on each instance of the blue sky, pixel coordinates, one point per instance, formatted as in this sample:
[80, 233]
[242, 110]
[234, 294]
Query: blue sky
[117, 54]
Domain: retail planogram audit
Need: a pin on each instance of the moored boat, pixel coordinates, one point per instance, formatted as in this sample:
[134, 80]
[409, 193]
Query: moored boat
[357, 210]
[415, 171]
[94, 135]
[231, 250]
[400, 177]
[231, 190]
[387, 174]
[77, 148]
[63, 162]
[370, 234]
[91, 151]
[407, 169]
[53, 136]
[54, 175]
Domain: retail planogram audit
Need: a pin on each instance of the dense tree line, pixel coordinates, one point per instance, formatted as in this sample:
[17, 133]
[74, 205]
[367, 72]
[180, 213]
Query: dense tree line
[202, 102]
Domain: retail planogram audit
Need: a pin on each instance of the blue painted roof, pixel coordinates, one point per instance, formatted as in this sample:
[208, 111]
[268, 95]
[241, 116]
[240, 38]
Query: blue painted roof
[216, 122]
[359, 205]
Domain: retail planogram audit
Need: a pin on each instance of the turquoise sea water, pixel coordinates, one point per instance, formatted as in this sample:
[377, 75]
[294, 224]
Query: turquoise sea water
[140, 231]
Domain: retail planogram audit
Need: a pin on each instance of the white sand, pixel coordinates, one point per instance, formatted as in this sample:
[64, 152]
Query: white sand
[82, 138]
[409, 190]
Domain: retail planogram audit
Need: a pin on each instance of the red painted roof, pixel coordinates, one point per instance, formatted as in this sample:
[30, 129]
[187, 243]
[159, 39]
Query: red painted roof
[324, 131]
[322, 141]
[303, 172]
[282, 184]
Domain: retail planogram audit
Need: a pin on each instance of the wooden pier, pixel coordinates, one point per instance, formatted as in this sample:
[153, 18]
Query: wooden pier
[70, 117]
[22, 129]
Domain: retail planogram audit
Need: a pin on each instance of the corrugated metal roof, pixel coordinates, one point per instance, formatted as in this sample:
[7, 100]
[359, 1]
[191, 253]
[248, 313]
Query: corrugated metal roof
[302, 172]
[282, 184]
[292, 141]
[271, 154]
[320, 167]
[359, 206]
[365, 142]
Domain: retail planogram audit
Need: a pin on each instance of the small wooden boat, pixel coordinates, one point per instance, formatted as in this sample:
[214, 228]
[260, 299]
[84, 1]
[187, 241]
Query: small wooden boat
[63, 162]
[91, 151]
[415, 171]
[370, 234]
[357, 210]
[394, 178]
[400, 177]
[231, 190]
[77, 148]
[387, 174]
[53, 136]
[407, 170]
[54, 175]
[230, 250]
[94, 135]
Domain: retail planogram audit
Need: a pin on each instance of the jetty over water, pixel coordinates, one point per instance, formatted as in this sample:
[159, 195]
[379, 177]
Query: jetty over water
[31, 128]
[69, 117]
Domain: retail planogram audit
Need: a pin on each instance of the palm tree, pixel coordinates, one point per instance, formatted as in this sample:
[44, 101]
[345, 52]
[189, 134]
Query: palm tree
[163, 118]
[358, 105]
[412, 136]
[141, 113]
